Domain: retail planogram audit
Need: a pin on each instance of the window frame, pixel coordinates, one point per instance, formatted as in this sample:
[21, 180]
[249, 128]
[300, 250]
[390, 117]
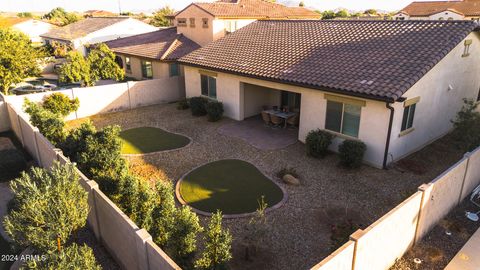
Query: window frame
[209, 79]
[181, 21]
[342, 118]
[177, 69]
[128, 65]
[144, 69]
[205, 23]
[408, 117]
[192, 22]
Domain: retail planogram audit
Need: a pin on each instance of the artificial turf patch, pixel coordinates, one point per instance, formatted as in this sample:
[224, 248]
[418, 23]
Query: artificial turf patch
[149, 139]
[232, 186]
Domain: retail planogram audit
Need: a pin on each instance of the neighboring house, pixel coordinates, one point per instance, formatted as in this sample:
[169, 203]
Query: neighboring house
[207, 22]
[83, 33]
[152, 55]
[441, 10]
[98, 13]
[31, 27]
[394, 85]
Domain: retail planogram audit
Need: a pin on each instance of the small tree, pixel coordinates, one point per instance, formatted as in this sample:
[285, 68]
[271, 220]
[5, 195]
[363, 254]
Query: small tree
[59, 103]
[145, 205]
[467, 126]
[163, 214]
[103, 65]
[129, 196]
[51, 125]
[50, 205]
[256, 229]
[71, 257]
[217, 245]
[160, 17]
[183, 242]
[76, 69]
[18, 58]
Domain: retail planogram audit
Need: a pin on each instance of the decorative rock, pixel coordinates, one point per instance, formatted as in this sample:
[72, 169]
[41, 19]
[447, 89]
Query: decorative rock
[290, 180]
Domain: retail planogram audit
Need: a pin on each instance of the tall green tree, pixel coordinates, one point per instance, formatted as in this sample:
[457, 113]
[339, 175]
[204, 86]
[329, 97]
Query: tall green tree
[50, 124]
[61, 17]
[218, 244]
[163, 214]
[328, 15]
[160, 17]
[103, 65]
[50, 204]
[76, 69]
[18, 58]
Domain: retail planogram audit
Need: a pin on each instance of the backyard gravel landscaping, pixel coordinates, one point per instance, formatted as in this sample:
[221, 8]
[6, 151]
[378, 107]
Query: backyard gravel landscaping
[301, 229]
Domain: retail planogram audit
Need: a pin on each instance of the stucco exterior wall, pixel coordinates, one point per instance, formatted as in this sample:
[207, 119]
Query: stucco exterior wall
[446, 15]
[340, 259]
[126, 28]
[160, 69]
[255, 97]
[230, 91]
[201, 35]
[438, 105]
[33, 29]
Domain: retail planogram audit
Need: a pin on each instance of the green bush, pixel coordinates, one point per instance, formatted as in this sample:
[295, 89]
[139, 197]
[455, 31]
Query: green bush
[467, 126]
[71, 257]
[50, 204]
[183, 104]
[214, 110]
[60, 104]
[197, 106]
[317, 143]
[50, 124]
[351, 153]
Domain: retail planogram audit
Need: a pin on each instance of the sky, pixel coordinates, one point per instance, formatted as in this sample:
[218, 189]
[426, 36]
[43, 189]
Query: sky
[151, 5]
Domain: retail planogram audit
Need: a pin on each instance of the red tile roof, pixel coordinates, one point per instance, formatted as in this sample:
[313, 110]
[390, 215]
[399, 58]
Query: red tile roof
[255, 9]
[372, 59]
[423, 9]
[163, 44]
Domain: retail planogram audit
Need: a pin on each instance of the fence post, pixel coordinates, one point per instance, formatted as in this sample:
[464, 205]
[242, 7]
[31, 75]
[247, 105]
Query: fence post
[129, 99]
[93, 190]
[423, 188]
[142, 253]
[35, 133]
[355, 237]
[21, 129]
[467, 156]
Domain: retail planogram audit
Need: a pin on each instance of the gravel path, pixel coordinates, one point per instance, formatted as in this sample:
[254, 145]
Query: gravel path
[300, 230]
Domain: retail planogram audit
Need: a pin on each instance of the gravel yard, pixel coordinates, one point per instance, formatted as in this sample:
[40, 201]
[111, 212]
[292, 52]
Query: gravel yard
[300, 229]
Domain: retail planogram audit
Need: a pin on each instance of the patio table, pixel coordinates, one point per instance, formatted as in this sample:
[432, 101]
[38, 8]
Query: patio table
[284, 115]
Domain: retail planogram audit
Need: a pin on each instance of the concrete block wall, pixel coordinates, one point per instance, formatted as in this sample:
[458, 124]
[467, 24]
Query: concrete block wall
[379, 245]
[130, 246]
[4, 121]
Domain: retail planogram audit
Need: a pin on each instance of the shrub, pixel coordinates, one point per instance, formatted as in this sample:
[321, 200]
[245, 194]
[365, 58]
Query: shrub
[351, 153]
[183, 242]
[59, 103]
[218, 244]
[214, 110]
[317, 143]
[49, 204]
[467, 126]
[197, 106]
[163, 214]
[128, 196]
[71, 257]
[145, 205]
[50, 124]
[183, 104]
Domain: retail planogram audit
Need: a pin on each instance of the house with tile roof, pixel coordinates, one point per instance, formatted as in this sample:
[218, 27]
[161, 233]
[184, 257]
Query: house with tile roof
[207, 22]
[152, 55]
[30, 27]
[80, 35]
[440, 10]
[395, 85]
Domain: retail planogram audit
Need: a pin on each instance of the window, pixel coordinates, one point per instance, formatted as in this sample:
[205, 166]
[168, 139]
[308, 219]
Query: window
[466, 49]
[128, 66]
[147, 71]
[209, 86]
[174, 69]
[409, 114]
[230, 26]
[181, 22]
[192, 22]
[205, 22]
[343, 118]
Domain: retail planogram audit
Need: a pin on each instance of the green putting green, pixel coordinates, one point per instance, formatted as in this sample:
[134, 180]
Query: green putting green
[149, 139]
[232, 186]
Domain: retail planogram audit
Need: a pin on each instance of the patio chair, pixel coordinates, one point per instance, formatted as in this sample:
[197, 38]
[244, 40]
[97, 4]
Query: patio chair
[266, 118]
[276, 121]
[293, 121]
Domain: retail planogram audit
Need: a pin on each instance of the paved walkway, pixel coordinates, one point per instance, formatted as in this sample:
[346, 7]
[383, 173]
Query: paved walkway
[259, 135]
[468, 257]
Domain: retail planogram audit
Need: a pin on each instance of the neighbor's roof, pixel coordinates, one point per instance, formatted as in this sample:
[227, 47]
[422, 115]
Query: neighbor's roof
[254, 9]
[82, 28]
[422, 9]
[6, 22]
[372, 59]
[163, 44]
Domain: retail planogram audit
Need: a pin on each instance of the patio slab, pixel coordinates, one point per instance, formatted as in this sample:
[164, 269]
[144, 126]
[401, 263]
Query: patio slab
[259, 135]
